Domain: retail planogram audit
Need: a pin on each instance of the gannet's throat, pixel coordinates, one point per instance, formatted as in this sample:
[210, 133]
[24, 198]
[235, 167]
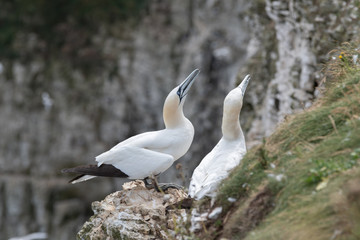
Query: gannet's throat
[173, 111]
[231, 128]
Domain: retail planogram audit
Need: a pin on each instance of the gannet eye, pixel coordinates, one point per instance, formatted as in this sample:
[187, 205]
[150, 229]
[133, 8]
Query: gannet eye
[179, 93]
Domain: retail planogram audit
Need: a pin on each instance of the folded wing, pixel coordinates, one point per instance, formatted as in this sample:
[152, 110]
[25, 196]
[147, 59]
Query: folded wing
[137, 163]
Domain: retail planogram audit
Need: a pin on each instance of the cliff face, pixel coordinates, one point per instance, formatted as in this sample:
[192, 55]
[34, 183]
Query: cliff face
[106, 83]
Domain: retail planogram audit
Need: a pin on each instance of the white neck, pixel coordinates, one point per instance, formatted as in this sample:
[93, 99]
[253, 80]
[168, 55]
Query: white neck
[232, 106]
[173, 119]
[231, 128]
[233, 102]
[173, 111]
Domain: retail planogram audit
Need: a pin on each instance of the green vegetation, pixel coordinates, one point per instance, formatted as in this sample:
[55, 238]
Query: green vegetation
[303, 182]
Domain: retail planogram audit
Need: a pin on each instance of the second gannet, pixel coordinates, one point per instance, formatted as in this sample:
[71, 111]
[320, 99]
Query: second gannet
[148, 154]
[227, 154]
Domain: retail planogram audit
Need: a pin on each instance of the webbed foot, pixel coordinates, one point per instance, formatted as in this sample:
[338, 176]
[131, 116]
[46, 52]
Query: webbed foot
[160, 187]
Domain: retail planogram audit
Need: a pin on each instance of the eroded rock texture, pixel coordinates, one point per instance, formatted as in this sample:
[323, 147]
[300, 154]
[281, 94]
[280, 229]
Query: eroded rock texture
[134, 213]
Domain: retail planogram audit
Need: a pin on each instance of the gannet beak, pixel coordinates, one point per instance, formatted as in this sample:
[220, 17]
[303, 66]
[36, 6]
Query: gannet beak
[184, 87]
[244, 84]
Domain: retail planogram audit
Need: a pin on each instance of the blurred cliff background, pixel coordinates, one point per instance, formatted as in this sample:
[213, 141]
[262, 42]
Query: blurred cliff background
[77, 77]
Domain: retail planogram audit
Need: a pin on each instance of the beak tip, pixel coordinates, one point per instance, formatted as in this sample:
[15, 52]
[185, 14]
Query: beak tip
[186, 84]
[244, 84]
[196, 71]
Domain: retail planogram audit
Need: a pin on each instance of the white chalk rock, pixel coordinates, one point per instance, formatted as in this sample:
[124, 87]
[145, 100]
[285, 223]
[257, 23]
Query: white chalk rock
[133, 213]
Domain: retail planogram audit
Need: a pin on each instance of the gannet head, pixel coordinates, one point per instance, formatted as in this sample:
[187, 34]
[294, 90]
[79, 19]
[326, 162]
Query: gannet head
[234, 99]
[173, 106]
[232, 106]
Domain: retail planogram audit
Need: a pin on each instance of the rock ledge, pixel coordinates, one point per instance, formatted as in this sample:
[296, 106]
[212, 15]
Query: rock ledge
[134, 213]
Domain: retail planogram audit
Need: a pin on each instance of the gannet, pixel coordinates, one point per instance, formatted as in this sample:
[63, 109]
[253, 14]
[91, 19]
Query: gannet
[228, 152]
[148, 154]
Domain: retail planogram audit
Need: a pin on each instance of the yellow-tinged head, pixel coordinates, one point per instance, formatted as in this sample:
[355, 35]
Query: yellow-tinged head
[173, 106]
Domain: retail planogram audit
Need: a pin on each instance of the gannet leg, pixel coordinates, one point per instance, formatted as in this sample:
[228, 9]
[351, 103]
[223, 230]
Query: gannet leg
[148, 185]
[160, 187]
[166, 186]
[154, 183]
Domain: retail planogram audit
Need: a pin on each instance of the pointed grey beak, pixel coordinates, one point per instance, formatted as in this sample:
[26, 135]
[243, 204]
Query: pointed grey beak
[186, 84]
[244, 84]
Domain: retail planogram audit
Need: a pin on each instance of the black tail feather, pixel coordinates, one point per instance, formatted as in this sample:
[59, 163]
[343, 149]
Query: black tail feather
[105, 170]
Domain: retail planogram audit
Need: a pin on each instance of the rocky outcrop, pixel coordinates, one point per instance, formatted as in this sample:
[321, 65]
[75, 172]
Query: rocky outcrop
[135, 213]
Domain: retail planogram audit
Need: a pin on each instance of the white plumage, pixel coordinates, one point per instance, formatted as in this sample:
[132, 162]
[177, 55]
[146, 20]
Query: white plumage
[151, 153]
[229, 151]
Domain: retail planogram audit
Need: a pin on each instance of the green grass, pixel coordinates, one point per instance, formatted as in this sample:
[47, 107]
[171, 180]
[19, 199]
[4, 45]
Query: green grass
[317, 152]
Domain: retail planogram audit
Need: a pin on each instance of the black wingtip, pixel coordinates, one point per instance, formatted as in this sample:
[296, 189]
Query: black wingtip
[105, 170]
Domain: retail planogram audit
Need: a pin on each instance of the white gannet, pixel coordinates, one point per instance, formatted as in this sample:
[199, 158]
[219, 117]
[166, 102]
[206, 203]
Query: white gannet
[227, 154]
[148, 154]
